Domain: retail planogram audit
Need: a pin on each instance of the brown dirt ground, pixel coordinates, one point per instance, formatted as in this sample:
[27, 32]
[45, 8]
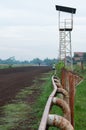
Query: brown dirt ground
[12, 80]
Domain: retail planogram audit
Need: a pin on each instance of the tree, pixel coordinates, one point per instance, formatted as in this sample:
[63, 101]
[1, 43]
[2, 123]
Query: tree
[36, 61]
[50, 62]
[84, 56]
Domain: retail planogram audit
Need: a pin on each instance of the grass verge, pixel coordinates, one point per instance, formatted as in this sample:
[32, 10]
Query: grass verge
[39, 106]
[80, 104]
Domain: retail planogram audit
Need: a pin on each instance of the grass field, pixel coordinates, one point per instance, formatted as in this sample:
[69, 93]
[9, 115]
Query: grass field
[80, 104]
[3, 66]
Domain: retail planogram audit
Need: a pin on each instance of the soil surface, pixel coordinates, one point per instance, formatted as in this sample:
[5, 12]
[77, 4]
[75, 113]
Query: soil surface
[12, 80]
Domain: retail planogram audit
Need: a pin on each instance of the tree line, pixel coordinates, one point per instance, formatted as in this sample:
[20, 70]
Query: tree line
[35, 61]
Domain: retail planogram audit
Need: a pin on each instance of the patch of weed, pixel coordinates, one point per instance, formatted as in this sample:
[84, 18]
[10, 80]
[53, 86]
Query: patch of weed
[13, 115]
[38, 108]
[23, 93]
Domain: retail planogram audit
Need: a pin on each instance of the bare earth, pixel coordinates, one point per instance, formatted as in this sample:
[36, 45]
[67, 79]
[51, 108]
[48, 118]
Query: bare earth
[14, 79]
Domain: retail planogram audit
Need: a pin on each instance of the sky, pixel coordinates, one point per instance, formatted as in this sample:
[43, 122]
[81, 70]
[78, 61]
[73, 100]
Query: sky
[29, 28]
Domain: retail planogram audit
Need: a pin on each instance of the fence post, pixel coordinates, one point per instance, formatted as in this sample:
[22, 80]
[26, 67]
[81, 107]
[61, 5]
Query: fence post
[71, 96]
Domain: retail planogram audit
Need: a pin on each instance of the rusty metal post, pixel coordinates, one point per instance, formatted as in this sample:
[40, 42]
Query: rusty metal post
[67, 81]
[71, 98]
[59, 122]
[63, 78]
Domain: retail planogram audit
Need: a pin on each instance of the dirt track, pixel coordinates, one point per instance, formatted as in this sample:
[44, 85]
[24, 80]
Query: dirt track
[14, 79]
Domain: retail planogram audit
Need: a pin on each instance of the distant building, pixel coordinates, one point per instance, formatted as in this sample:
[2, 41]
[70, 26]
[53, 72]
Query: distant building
[79, 57]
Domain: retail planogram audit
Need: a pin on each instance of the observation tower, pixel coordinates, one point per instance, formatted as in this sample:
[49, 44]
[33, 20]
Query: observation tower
[65, 23]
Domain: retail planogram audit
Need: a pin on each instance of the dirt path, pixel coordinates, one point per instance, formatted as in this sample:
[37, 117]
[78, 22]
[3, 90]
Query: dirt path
[14, 79]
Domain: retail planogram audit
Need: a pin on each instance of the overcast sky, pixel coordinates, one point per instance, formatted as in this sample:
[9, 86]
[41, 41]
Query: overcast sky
[29, 28]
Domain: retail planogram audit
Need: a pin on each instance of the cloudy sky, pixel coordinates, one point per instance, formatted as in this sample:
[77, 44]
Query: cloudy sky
[29, 28]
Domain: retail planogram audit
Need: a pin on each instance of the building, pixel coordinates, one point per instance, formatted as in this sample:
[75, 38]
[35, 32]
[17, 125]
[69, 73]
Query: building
[79, 57]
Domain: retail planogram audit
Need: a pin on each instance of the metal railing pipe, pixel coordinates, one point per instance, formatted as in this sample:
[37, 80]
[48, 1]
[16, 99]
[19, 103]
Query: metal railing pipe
[64, 106]
[65, 94]
[43, 123]
[59, 122]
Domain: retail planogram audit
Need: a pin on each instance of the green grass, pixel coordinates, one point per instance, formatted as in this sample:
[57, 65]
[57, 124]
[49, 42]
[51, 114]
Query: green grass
[14, 115]
[4, 66]
[23, 94]
[41, 102]
[80, 105]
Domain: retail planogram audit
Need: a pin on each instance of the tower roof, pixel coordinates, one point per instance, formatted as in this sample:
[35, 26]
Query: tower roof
[66, 9]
